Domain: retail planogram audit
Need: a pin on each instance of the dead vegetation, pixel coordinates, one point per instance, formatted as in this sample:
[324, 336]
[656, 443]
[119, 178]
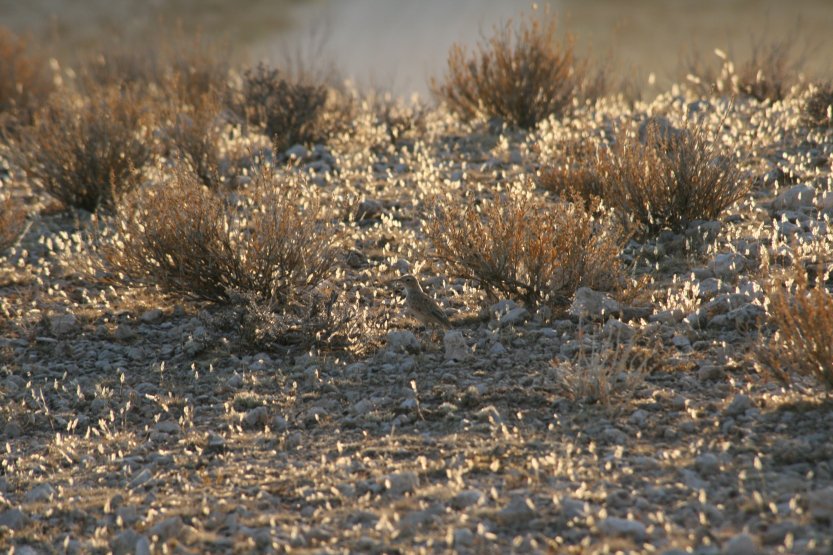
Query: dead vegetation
[523, 74]
[87, 152]
[768, 74]
[802, 313]
[818, 106]
[655, 177]
[528, 248]
[289, 111]
[25, 79]
[12, 222]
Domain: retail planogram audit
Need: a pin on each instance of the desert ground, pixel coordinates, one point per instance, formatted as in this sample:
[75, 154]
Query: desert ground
[657, 404]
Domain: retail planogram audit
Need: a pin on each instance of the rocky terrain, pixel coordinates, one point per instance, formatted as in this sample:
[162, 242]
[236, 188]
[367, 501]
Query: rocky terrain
[134, 423]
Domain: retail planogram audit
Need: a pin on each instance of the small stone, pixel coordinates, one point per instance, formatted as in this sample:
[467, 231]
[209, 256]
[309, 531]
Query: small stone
[124, 332]
[709, 372]
[497, 349]
[298, 152]
[795, 198]
[466, 498]
[40, 493]
[255, 419]
[623, 527]
[741, 544]
[166, 529]
[455, 345]
[125, 542]
[463, 537]
[402, 341]
[167, 427]
[707, 464]
[63, 324]
[13, 519]
[515, 317]
[216, 443]
[821, 504]
[593, 304]
[142, 546]
[369, 209]
[235, 381]
[519, 509]
[140, 479]
[401, 483]
[739, 405]
[363, 407]
[728, 265]
[151, 316]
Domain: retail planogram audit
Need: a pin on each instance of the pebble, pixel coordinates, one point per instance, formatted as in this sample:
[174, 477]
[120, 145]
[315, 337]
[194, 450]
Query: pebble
[456, 348]
[151, 316]
[466, 498]
[402, 341]
[167, 528]
[63, 324]
[463, 537]
[593, 304]
[707, 464]
[13, 519]
[795, 198]
[623, 527]
[400, 483]
[518, 510]
[739, 405]
[741, 544]
[821, 504]
[40, 493]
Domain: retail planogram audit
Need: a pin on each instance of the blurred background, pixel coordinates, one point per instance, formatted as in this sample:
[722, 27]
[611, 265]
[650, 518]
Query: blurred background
[398, 44]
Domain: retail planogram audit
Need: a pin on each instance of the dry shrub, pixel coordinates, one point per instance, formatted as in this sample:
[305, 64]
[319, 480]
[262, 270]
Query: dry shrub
[803, 315]
[192, 242]
[87, 152]
[264, 256]
[818, 107]
[768, 74]
[12, 222]
[25, 79]
[528, 248]
[657, 178]
[575, 175]
[193, 134]
[289, 111]
[522, 74]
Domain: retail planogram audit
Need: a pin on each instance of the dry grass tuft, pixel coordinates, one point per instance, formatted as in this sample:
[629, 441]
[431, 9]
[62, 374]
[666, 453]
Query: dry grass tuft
[25, 79]
[768, 74]
[12, 222]
[528, 249]
[522, 74]
[290, 112]
[803, 315]
[657, 178]
[87, 152]
[818, 107]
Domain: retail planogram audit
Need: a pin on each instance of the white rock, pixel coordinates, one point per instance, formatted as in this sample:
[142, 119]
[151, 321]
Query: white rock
[401, 483]
[514, 317]
[455, 346]
[593, 304]
[727, 265]
[796, 197]
[519, 509]
[402, 341]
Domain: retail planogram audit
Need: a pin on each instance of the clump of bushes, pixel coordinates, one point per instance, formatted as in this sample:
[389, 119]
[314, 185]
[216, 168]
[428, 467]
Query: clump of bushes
[25, 79]
[265, 254]
[522, 75]
[12, 222]
[768, 74]
[803, 315]
[818, 107]
[656, 177]
[87, 152]
[289, 111]
[528, 248]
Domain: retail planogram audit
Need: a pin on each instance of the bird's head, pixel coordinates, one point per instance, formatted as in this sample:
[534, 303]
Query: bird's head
[409, 281]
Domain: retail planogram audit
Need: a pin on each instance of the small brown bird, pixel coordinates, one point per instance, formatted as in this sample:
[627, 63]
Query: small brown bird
[420, 305]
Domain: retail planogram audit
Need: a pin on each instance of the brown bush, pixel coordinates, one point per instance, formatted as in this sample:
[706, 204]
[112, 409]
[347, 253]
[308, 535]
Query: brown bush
[290, 112]
[191, 242]
[768, 74]
[528, 249]
[12, 222]
[193, 134]
[86, 152]
[522, 74]
[658, 177]
[803, 316]
[25, 79]
[818, 107]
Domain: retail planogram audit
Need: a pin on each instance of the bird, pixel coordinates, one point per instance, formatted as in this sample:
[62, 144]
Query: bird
[420, 305]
